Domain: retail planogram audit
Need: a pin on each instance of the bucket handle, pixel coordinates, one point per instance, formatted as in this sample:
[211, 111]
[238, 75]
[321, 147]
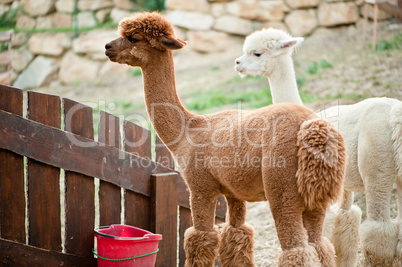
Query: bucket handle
[125, 259]
[116, 237]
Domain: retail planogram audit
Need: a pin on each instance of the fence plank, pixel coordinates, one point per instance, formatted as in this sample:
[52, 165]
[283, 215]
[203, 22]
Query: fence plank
[44, 180]
[164, 217]
[80, 189]
[16, 254]
[109, 194]
[163, 155]
[76, 153]
[12, 188]
[185, 223]
[221, 207]
[88, 158]
[137, 140]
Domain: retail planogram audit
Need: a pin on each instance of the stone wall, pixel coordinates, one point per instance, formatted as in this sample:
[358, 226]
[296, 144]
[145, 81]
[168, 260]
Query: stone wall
[43, 58]
[203, 22]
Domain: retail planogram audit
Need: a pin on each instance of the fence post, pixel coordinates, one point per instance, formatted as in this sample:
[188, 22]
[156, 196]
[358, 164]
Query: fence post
[185, 223]
[164, 216]
[45, 179]
[80, 188]
[12, 188]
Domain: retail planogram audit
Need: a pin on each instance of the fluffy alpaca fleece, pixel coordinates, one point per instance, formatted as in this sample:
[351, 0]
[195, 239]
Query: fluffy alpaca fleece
[301, 256]
[318, 194]
[325, 251]
[373, 175]
[379, 251]
[398, 253]
[346, 236]
[244, 155]
[236, 248]
[373, 135]
[330, 221]
[202, 246]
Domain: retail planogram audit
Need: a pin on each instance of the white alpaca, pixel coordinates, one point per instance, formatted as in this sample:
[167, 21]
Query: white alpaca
[373, 134]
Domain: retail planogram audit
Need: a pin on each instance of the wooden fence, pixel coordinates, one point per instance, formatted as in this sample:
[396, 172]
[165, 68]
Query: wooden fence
[34, 210]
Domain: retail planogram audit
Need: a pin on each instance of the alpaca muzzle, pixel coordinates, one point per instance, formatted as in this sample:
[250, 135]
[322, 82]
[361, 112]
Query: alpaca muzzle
[109, 52]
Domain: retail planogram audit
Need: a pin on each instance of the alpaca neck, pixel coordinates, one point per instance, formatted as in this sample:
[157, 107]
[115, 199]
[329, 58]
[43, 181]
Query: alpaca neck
[167, 114]
[283, 82]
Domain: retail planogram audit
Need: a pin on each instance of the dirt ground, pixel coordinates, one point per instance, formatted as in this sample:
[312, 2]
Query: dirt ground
[356, 74]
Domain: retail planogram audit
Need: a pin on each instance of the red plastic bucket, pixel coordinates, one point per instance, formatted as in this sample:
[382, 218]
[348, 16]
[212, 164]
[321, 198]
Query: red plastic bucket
[124, 245]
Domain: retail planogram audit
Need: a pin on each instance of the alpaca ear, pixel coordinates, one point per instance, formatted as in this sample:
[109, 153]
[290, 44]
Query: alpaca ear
[294, 42]
[171, 43]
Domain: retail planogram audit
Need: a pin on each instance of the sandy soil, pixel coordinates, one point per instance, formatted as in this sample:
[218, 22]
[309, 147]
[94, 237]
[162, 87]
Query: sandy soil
[355, 71]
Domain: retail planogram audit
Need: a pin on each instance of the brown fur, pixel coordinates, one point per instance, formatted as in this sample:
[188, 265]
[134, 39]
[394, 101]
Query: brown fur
[325, 251]
[321, 149]
[236, 248]
[244, 155]
[202, 246]
[300, 256]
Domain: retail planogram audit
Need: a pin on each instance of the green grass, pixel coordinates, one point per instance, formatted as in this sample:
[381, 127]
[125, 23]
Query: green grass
[315, 66]
[135, 72]
[393, 44]
[251, 92]
[217, 98]
[213, 68]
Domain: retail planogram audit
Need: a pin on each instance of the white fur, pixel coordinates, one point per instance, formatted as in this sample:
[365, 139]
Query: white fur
[329, 222]
[379, 251]
[345, 236]
[372, 130]
[396, 124]
[275, 47]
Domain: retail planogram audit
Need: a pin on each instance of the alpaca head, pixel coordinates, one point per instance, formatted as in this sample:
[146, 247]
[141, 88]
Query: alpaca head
[142, 37]
[263, 48]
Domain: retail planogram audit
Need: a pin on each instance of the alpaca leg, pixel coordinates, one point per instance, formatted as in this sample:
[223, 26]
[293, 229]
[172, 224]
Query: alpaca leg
[379, 234]
[329, 222]
[313, 222]
[202, 240]
[237, 238]
[345, 236]
[292, 234]
[398, 256]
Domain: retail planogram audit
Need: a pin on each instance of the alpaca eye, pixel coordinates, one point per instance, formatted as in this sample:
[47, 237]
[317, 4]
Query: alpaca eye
[257, 54]
[132, 40]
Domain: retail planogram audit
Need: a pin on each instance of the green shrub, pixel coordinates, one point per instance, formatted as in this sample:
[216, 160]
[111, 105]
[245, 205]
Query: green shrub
[9, 19]
[149, 5]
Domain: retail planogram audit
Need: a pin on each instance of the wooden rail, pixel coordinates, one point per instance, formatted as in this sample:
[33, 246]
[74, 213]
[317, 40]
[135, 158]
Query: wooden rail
[34, 150]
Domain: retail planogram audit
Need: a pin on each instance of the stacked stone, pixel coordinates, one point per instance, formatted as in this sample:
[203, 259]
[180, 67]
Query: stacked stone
[41, 58]
[43, 14]
[208, 25]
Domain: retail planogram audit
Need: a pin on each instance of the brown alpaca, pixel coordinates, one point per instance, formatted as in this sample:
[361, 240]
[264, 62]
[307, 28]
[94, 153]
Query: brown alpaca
[281, 153]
